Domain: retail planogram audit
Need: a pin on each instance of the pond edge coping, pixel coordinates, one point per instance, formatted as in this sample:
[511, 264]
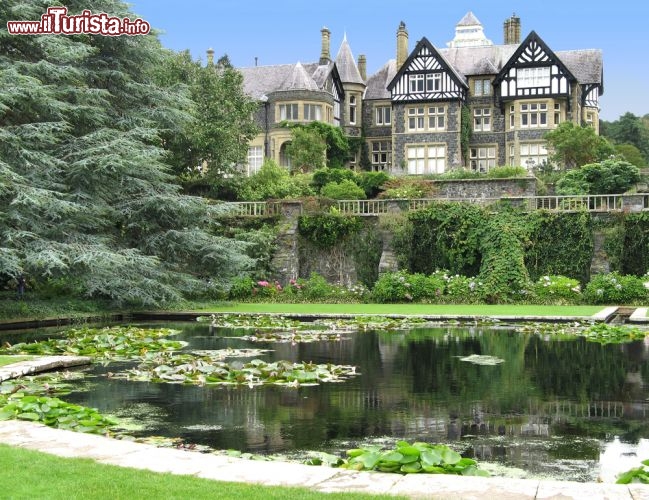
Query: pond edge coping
[124, 453]
[41, 364]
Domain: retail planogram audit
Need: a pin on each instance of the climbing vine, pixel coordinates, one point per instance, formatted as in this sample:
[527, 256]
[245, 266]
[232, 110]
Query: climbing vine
[465, 133]
[635, 256]
[325, 230]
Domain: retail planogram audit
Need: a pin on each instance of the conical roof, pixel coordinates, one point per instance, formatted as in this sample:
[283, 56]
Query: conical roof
[346, 64]
[469, 19]
[298, 79]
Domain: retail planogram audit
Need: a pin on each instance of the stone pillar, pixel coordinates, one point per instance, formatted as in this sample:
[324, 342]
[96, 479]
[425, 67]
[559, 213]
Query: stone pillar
[285, 262]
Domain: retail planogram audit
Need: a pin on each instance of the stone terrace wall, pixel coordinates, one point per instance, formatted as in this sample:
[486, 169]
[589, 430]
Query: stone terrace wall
[485, 188]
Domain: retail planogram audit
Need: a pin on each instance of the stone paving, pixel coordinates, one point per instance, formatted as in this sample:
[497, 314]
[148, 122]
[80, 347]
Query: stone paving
[41, 364]
[324, 479]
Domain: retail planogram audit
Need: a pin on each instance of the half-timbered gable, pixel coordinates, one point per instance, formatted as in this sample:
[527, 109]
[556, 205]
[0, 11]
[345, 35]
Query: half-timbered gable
[427, 76]
[534, 71]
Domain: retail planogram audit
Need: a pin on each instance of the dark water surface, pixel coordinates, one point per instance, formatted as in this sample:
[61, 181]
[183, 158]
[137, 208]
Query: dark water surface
[561, 409]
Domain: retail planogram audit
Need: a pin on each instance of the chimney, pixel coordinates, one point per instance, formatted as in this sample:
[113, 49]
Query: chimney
[402, 44]
[325, 56]
[210, 56]
[362, 66]
[512, 30]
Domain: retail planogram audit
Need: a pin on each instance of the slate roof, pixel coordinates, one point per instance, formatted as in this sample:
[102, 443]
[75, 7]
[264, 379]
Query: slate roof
[585, 64]
[346, 64]
[481, 60]
[377, 84]
[262, 80]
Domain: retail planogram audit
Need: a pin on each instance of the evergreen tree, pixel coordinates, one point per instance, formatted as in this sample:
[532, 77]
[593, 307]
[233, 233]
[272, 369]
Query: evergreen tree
[85, 194]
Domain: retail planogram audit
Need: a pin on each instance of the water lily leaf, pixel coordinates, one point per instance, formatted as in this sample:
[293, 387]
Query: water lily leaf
[451, 457]
[431, 457]
[411, 468]
[27, 416]
[355, 452]
[408, 450]
[369, 459]
[481, 359]
[392, 456]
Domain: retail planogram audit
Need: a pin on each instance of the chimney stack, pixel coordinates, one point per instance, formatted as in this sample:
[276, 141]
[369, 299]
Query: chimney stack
[325, 55]
[362, 66]
[402, 44]
[210, 56]
[512, 30]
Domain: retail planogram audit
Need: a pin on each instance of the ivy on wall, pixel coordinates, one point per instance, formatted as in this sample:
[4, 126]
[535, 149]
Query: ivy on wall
[560, 244]
[505, 248]
[634, 258]
[325, 230]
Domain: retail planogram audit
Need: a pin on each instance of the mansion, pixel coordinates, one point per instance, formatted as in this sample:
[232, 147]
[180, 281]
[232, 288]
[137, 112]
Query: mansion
[411, 111]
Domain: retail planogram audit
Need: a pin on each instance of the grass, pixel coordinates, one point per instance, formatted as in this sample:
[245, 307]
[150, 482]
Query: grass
[7, 360]
[27, 474]
[431, 309]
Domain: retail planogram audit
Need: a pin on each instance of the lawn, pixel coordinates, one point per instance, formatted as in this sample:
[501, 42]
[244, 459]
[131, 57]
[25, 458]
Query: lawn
[27, 474]
[430, 309]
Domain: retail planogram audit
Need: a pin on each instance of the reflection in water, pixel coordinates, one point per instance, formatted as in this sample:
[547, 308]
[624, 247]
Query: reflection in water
[549, 409]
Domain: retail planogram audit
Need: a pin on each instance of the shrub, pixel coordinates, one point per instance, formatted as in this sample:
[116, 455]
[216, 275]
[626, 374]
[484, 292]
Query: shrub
[344, 190]
[557, 287]
[407, 187]
[506, 171]
[316, 287]
[242, 287]
[463, 288]
[614, 288]
[273, 181]
[605, 177]
[325, 230]
[401, 286]
[371, 182]
[324, 176]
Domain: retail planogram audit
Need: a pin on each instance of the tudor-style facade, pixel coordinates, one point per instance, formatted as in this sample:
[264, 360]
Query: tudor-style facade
[411, 110]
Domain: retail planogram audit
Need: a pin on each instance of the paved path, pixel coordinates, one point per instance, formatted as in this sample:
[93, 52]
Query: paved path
[323, 479]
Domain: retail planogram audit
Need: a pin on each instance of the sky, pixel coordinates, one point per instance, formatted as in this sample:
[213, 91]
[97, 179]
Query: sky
[281, 32]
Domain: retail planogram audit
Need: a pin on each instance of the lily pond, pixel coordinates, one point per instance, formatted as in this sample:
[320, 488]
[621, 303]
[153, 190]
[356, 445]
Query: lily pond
[522, 401]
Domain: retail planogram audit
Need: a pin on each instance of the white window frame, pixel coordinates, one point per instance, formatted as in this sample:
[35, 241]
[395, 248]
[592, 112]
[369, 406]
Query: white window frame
[482, 119]
[312, 112]
[482, 87]
[416, 83]
[533, 154]
[352, 110]
[255, 159]
[433, 82]
[533, 77]
[288, 112]
[383, 115]
[426, 159]
[426, 118]
[482, 158]
[534, 115]
[381, 154]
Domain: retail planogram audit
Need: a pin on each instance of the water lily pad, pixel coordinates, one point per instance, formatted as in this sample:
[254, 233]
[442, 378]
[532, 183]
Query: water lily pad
[481, 359]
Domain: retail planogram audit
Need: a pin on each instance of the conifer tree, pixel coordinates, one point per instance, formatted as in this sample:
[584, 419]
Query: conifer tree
[85, 193]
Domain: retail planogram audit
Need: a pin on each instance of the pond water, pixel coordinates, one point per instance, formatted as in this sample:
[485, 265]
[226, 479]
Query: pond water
[553, 408]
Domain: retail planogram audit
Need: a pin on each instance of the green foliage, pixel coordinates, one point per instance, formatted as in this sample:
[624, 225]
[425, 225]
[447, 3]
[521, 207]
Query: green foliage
[324, 176]
[409, 458]
[345, 190]
[307, 149]
[629, 129]
[559, 244]
[325, 230]
[273, 182]
[612, 334]
[372, 182]
[316, 287]
[54, 413]
[402, 287]
[107, 343]
[506, 172]
[614, 288]
[502, 269]
[573, 146]
[557, 287]
[633, 246]
[635, 475]
[466, 130]
[606, 177]
[204, 370]
[86, 190]
[337, 145]
[407, 187]
[444, 236]
[631, 153]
